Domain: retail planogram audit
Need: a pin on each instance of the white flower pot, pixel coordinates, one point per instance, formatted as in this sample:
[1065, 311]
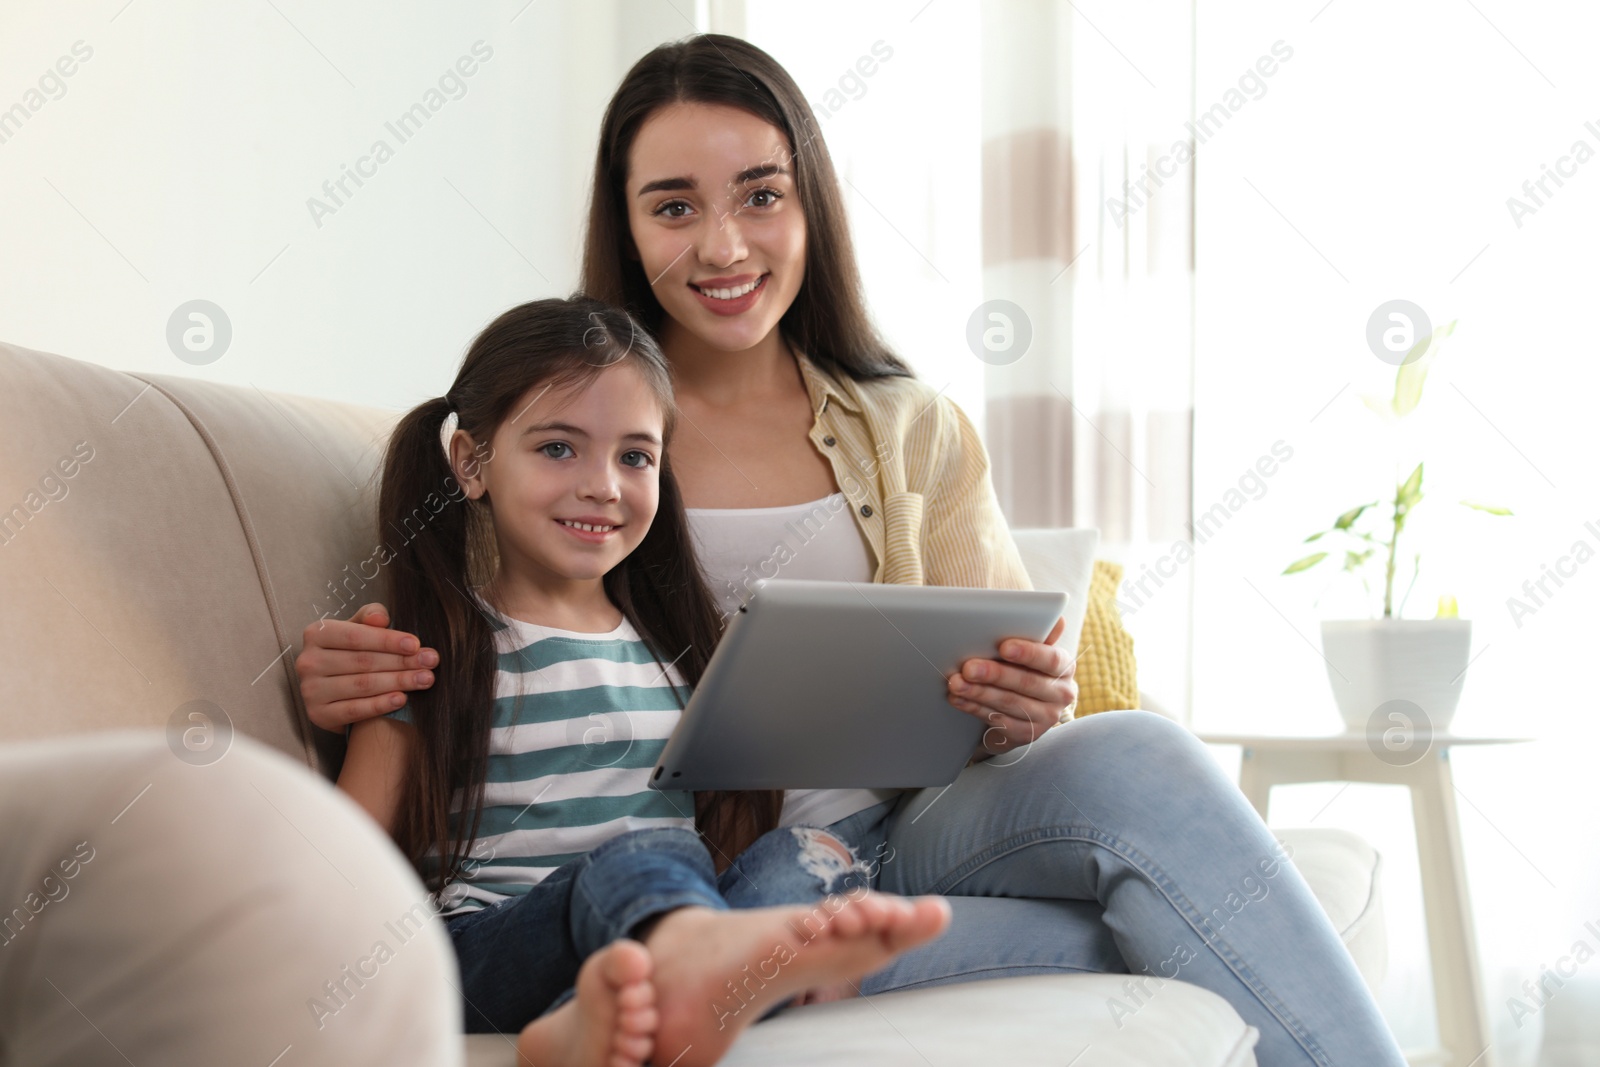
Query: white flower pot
[1374, 661]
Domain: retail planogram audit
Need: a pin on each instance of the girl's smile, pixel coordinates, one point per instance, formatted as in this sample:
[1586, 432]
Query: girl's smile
[590, 530]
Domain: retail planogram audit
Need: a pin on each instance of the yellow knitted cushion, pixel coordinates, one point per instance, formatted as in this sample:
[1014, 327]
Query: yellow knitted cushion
[1107, 676]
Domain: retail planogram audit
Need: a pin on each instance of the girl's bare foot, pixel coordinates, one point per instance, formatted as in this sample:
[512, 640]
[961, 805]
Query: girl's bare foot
[717, 972]
[610, 1023]
[828, 993]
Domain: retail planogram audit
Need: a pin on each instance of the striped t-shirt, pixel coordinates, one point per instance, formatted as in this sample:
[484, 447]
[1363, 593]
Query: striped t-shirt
[580, 720]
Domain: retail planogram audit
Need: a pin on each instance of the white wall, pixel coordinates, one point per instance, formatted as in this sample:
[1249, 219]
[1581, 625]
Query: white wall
[179, 160]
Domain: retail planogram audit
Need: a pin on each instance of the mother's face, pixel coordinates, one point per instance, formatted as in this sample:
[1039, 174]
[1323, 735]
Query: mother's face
[713, 210]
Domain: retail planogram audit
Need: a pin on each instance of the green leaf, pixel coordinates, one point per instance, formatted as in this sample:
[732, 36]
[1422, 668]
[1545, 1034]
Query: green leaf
[1447, 607]
[1353, 560]
[1411, 492]
[1414, 370]
[1305, 564]
[1344, 522]
[1493, 509]
[1313, 537]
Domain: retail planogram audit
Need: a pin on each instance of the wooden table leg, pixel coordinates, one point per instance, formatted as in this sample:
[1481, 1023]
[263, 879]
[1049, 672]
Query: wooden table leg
[1452, 942]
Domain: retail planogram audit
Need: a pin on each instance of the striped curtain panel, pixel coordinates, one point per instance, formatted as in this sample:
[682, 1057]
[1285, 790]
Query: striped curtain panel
[1088, 269]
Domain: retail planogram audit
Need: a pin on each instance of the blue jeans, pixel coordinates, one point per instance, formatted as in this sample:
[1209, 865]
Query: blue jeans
[1115, 844]
[520, 957]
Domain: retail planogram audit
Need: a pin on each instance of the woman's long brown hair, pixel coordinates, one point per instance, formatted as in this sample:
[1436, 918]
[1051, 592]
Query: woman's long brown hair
[447, 547]
[828, 320]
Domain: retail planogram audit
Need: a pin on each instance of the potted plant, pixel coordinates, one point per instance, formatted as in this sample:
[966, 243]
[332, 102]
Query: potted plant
[1375, 662]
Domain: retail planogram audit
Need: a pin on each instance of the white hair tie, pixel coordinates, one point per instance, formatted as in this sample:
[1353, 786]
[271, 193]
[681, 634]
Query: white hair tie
[446, 431]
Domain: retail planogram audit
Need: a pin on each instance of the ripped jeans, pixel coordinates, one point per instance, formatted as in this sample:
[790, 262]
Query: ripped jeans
[519, 958]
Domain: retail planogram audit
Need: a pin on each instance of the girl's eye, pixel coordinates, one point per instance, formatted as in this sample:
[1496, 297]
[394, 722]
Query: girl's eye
[554, 444]
[643, 455]
[668, 208]
[773, 193]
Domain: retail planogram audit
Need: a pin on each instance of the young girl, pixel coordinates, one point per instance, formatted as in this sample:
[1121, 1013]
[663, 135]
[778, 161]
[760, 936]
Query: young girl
[549, 554]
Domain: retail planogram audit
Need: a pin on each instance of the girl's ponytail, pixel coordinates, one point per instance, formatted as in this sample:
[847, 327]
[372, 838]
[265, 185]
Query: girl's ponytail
[437, 532]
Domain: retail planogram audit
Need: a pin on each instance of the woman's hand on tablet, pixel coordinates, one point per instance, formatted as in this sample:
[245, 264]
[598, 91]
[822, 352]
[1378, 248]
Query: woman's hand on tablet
[355, 670]
[1021, 695]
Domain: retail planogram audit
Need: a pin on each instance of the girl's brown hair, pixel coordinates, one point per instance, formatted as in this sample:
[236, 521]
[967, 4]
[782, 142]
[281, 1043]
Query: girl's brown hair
[828, 320]
[447, 547]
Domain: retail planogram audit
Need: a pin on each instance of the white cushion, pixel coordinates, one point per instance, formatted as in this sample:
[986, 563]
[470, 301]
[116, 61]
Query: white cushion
[1061, 561]
[1043, 1020]
[1345, 875]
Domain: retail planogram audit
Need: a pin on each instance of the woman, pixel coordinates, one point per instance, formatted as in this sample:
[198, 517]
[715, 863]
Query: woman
[715, 218]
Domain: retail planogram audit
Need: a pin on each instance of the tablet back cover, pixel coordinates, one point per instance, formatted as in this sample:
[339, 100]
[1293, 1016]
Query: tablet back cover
[819, 685]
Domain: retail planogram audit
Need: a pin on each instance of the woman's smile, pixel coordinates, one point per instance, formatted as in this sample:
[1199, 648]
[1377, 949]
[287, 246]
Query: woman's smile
[731, 299]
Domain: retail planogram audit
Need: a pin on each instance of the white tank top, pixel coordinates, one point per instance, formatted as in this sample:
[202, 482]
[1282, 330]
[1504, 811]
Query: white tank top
[818, 539]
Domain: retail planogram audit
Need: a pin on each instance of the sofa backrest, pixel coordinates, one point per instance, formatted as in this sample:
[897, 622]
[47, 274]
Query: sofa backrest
[165, 540]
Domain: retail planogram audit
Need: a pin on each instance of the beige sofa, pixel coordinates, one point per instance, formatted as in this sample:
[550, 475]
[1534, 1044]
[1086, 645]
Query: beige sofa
[201, 527]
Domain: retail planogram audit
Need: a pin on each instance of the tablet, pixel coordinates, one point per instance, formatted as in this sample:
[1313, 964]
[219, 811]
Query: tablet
[841, 685]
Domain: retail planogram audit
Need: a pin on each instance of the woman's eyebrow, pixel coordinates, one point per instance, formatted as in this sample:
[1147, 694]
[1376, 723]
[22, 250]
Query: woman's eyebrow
[744, 177]
[766, 170]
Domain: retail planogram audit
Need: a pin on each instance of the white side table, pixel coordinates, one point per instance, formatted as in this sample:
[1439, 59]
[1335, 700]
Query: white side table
[1452, 947]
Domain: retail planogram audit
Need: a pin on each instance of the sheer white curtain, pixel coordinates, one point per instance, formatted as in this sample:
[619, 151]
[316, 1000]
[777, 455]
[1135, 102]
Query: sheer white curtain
[1088, 242]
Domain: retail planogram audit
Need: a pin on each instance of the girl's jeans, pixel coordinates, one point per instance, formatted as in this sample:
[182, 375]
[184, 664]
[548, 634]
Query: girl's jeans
[520, 957]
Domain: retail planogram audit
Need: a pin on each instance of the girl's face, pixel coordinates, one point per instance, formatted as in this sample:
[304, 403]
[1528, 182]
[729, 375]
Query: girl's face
[588, 455]
[716, 221]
